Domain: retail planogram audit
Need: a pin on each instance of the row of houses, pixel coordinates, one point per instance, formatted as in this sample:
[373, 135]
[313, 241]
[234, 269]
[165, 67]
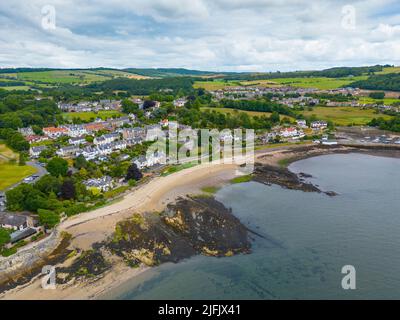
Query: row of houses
[87, 106]
[74, 130]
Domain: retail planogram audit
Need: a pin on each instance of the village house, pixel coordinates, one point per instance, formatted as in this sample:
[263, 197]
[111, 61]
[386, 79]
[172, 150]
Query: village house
[96, 126]
[21, 235]
[180, 102]
[289, 132]
[35, 138]
[53, 132]
[302, 123]
[320, 125]
[106, 138]
[89, 153]
[34, 152]
[76, 130]
[26, 131]
[152, 131]
[14, 221]
[133, 133]
[76, 141]
[102, 184]
[119, 145]
[67, 151]
[150, 160]
[119, 122]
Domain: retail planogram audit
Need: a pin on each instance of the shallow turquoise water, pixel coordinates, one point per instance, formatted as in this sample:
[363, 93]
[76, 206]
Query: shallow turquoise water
[310, 237]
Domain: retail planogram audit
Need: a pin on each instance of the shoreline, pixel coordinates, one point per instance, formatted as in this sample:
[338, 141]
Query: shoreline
[154, 196]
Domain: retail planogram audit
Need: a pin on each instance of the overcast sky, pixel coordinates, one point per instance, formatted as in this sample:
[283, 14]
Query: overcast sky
[220, 35]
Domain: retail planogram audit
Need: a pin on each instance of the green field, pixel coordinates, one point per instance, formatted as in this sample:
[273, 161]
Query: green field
[215, 85]
[235, 111]
[389, 70]
[386, 101]
[343, 116]
[54, 77]
[318, 82]
[87, 116]
[11, 173]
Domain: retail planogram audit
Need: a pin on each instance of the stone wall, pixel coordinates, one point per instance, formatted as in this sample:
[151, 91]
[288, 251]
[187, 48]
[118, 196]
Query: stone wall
[28, 257]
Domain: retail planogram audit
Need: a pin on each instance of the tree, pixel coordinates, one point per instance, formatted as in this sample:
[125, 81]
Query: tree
[274, 117]
[22, 160]
[4, 237]
[48, 184]
[128, 106]
[133, 173]
[57, 167]
[377, 95]
[68, 190]
[80, 162]
[48, 218]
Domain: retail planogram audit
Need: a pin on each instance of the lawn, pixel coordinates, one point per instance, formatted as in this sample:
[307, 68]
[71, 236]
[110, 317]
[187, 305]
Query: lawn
[13, 173]
[343, 116]
[87, 116]
[318, 82]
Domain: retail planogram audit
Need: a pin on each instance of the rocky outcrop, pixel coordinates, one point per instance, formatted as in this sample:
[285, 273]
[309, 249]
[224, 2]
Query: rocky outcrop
[188, 227]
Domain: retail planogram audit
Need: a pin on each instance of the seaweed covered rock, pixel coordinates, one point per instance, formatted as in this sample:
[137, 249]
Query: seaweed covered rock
[268, 174]
[188, 227]
[208, 226]
[89, 265]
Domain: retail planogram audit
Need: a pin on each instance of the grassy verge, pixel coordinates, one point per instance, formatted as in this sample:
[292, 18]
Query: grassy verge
[241, 179]
[172, 169]
[210, 189]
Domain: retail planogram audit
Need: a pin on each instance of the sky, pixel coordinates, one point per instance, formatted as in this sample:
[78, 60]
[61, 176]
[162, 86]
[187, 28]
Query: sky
[215, 35]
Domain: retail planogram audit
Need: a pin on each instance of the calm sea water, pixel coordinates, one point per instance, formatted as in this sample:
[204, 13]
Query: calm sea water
[310, 237]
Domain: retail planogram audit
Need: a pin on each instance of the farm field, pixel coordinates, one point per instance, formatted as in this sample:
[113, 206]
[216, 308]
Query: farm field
[67, 76]
[386, 101]
[344, 116]
[11, 173]
[87, 116]
[318, 83]
[215, 85]
[389, 70]
[235, 111]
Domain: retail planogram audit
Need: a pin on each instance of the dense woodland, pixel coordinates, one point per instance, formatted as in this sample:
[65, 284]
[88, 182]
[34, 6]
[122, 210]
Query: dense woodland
[390, 125]
[338, 72]
[390, 82]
